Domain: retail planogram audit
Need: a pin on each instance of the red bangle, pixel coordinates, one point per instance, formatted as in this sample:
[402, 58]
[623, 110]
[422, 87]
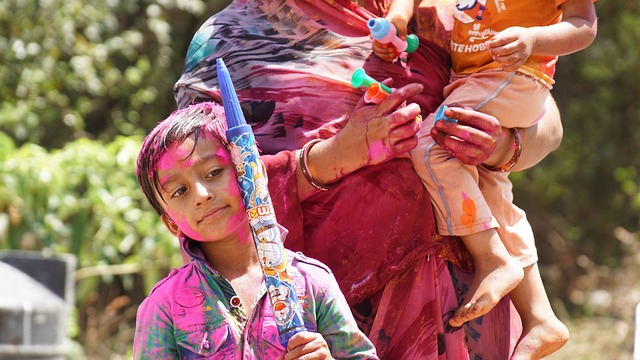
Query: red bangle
[516, 154]
[305, 169]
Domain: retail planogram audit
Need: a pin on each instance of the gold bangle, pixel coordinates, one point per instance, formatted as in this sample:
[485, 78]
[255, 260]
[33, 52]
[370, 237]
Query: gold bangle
[516, 154]
[305, 169]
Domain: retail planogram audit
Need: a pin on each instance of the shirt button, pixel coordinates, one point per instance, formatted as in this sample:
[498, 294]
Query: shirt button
[235, 301]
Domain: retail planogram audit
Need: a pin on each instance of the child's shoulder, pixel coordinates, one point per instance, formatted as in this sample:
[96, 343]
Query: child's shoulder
[177, 276]
[299, 260]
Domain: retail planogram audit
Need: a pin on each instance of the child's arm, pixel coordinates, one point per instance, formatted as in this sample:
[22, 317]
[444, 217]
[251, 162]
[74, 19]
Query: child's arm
[400, 12]
[577, 30]
[154, 335]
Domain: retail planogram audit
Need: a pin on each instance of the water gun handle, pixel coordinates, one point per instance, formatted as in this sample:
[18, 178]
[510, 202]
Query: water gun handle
[375, 94]
[360, 78]
[383, 30]
[441, 116]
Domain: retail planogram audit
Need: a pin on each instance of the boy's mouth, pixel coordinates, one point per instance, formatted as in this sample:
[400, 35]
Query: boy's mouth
[209, 214]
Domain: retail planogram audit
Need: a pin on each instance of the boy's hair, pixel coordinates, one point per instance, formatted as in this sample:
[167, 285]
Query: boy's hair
[201, 119]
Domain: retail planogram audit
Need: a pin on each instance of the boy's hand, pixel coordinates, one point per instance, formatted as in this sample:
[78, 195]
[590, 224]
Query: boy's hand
[307, 345]
[381, 6]
[512, 47]
[386, 52]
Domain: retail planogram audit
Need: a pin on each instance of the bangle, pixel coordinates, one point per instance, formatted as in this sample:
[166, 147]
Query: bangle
[516, 154]
[305, 169]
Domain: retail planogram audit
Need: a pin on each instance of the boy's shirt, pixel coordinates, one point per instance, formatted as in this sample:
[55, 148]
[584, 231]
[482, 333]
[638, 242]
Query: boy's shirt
[193, 314]
[477, 21]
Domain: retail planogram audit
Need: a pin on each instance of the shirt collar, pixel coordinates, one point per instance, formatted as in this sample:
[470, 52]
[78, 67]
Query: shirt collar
[192, 247]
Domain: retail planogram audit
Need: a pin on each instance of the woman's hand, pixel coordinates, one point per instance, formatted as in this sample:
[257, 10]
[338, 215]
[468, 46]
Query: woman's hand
[308, 346]
[380, 133]
[373, 134]
[477, 138]
[473, 139]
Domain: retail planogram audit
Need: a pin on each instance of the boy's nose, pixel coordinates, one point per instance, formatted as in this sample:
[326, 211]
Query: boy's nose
[202, 193]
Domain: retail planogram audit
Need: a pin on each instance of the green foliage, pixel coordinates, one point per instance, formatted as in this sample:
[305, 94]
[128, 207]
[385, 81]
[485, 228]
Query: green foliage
[78, 68]
[582, 196]
[84, 199]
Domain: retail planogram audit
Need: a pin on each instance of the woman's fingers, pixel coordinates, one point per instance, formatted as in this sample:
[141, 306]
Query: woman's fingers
[472, 139]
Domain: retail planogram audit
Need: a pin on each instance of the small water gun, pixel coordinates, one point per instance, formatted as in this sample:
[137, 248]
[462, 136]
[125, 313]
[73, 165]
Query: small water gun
[252, 180]
[376, 91]
[441, 116]
[383, 30]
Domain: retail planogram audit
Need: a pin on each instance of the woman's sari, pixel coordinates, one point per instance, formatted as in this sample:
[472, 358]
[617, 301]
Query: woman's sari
[291, 63]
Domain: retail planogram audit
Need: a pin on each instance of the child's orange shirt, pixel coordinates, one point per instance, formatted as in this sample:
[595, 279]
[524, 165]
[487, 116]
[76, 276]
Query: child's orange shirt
[477, 21]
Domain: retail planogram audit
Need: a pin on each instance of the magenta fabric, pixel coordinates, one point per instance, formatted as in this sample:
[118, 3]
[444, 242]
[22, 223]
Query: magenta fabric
[376, 228]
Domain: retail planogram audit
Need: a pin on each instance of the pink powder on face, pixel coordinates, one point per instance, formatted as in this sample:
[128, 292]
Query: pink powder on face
[177, 155]
[184, 226]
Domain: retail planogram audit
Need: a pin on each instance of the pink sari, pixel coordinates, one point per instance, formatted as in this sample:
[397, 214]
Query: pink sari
[376, 229]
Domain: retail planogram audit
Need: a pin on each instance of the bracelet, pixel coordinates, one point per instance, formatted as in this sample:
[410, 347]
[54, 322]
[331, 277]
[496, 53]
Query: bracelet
[305, 170]
[516, 154]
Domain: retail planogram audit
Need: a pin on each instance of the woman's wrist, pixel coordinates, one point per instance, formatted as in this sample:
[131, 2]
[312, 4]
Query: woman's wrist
[303, 160]
[508, 151]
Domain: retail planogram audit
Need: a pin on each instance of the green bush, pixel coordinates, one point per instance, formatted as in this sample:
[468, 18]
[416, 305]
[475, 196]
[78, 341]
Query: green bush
[83, 199]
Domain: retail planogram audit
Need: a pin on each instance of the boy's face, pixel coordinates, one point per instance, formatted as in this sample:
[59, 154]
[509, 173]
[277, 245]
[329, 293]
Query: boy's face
[201, 195]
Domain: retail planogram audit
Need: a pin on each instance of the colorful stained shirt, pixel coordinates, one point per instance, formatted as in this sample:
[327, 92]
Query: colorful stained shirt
[477, 21]
[194, 313]
[375, 229]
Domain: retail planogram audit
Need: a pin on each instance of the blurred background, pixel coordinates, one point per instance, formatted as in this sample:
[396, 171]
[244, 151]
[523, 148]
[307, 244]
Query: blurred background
[82, 81]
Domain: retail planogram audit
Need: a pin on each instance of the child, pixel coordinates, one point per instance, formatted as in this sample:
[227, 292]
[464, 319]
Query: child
[503, 62]
[216, 305]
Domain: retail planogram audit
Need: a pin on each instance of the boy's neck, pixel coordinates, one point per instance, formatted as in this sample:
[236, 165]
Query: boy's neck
[231, 260]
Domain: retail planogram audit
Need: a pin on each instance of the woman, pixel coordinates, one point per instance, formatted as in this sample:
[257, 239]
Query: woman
[291, 63]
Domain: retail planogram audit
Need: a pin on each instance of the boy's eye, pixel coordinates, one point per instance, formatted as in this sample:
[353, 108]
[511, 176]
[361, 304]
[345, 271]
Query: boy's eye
[214, 172]
[178, 192]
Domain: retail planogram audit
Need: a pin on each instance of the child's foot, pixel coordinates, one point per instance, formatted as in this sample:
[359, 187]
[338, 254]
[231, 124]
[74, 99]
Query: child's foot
[541, 340]
[491, 283]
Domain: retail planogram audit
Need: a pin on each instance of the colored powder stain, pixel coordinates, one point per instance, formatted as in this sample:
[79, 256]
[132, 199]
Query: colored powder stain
[377, 150]
[468, 216]
[177, 155]
[166, 161]
[184, 226]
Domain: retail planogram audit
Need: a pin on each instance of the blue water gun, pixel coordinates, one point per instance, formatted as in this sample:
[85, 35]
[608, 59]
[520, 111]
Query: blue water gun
[252, 180]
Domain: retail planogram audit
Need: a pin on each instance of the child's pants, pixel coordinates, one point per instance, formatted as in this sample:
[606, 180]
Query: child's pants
[469, 199]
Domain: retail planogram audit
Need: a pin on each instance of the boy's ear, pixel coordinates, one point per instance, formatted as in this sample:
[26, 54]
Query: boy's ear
[173, 228]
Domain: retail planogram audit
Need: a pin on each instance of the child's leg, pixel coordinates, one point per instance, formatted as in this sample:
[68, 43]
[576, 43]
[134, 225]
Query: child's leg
[542, 332]
[496, 273]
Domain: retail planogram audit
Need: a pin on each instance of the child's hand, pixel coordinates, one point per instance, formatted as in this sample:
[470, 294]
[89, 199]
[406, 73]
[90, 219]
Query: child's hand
[512, 47]
[386, 52]
[379, 5]
[307, 345]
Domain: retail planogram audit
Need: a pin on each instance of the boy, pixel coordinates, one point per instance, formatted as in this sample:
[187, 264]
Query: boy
[216, 305]
[503, 61]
